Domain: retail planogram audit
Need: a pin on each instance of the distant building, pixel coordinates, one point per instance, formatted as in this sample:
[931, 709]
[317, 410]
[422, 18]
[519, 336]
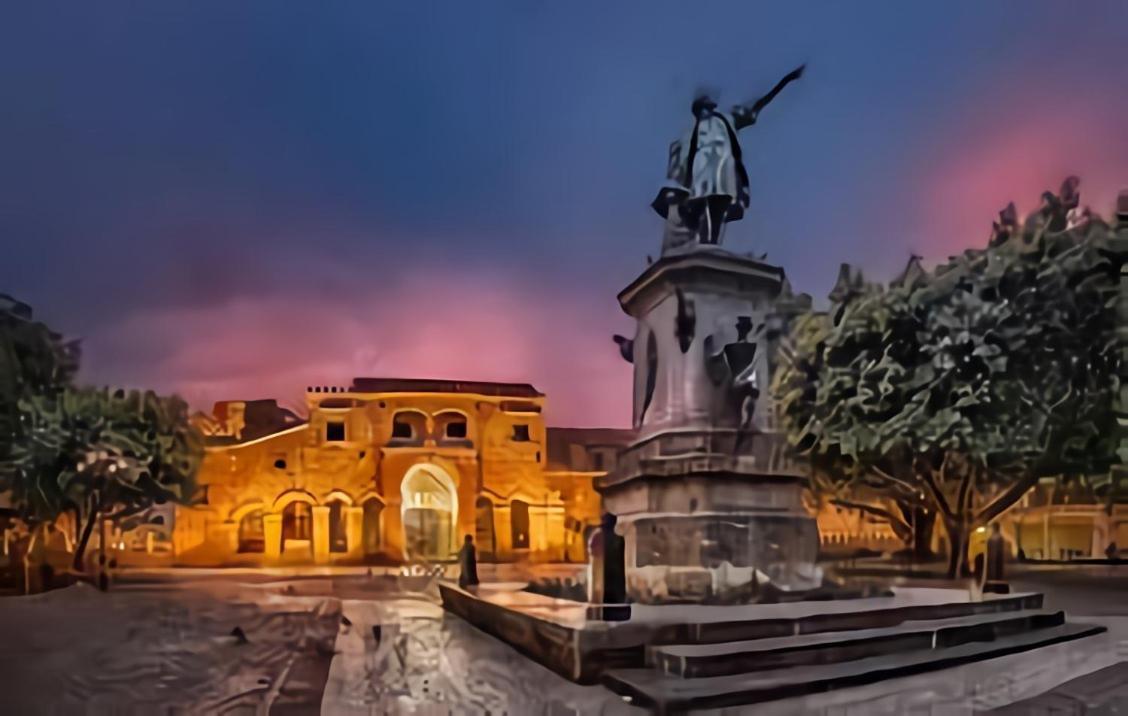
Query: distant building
[388, 470]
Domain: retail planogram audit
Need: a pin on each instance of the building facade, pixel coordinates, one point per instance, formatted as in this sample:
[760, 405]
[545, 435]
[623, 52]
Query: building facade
[392, 470]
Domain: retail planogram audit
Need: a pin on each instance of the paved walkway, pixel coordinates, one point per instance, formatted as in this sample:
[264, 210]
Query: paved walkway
[429, 662]
[424, 661]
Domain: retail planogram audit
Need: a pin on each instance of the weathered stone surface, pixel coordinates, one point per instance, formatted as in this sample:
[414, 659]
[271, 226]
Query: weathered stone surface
[664, 693]
[707, 498]
[564, 637]
[697, 660]
[1104, 691]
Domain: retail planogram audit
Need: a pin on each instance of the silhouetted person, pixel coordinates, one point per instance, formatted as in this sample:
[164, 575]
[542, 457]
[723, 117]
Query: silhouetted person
[608, 571]
[996, 555]
[468, 564]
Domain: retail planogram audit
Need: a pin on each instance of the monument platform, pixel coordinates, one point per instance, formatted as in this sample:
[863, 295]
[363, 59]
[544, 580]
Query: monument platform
[680, 657]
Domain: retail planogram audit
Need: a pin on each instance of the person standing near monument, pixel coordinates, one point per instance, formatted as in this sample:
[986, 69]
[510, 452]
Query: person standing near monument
[608, 581]
[468, 564]
[996, 555]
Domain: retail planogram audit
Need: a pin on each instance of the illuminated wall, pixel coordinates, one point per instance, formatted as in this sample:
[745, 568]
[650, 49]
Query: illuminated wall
[387, 470]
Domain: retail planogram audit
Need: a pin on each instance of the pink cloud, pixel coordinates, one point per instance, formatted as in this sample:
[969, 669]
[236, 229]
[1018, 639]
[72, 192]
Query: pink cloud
[437, 324]
[1014, 154]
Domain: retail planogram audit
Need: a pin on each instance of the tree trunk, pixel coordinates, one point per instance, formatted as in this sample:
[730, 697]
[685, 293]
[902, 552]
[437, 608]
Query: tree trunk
[32, 575]
[957, 549]
[923, 524]
[80, 549]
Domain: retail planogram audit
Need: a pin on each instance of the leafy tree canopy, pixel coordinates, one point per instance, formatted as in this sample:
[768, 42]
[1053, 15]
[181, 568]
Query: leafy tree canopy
[962, 386]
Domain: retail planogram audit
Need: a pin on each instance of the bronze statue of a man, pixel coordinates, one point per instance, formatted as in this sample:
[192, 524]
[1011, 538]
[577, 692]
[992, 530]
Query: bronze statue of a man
[708, 183]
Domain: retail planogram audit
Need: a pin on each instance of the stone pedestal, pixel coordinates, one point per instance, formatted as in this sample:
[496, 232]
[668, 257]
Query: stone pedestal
[272, 537]
[707, 498]
[708, 526]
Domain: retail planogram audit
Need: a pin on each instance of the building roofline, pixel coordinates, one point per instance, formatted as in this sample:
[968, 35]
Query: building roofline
[432, 385]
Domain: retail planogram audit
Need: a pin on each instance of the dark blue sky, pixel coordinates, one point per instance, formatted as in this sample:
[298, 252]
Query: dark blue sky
[238, 199]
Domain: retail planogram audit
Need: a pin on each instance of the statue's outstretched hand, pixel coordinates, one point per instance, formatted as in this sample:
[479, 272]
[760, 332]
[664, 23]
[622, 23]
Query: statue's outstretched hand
[745, 116]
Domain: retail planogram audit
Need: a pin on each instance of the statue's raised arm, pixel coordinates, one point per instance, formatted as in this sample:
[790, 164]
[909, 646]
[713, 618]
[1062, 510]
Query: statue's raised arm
[744, 116]
[707, 183]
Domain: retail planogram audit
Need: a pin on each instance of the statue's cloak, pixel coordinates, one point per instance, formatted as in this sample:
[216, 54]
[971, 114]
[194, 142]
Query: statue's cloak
[706, 163]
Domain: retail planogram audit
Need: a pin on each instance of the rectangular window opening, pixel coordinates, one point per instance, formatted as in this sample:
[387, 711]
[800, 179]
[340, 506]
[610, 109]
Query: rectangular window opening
[401, 429]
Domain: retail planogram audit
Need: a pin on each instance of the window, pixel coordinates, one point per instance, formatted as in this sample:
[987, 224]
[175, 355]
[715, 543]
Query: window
[521, 433]
[456, 429]
[338, 536]
[251, 535]
[335, 431]
[519, 523]
[401, 428]
[297, 522]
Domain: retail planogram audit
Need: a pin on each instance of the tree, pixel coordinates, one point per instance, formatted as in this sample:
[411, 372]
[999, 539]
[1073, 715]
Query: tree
[34, 362]
[828, 363]
[106, 455]
[975, 379]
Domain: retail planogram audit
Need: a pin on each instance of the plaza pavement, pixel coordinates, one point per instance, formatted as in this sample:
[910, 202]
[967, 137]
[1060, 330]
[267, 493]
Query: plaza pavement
[164, 638]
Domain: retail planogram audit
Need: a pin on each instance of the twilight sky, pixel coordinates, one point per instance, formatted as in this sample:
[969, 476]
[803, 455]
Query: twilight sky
[236, 200]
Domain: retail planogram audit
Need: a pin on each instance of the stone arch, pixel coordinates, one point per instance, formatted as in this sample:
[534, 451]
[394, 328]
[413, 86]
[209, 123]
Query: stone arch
[450, 416]
[296, 508]
[337, 500]
[251, 535]
[485, 530]
[237, 514]
[339, 495]
[283, 500]
[372, 522]
[519, 523]
[429, 511]
[415, 420]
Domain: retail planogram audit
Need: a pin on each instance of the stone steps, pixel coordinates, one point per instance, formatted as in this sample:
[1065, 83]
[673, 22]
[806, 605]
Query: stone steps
[713, 632]
[697, 660]
[670, 693]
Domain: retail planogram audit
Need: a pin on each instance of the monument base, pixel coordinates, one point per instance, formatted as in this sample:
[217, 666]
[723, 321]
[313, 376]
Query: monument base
[720, 558]
[710, 526]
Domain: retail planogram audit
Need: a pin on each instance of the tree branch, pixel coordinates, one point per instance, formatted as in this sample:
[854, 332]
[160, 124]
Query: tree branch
[964, 492]
[1006, 498]
[902, 528]
[893, 480]
[930, 482]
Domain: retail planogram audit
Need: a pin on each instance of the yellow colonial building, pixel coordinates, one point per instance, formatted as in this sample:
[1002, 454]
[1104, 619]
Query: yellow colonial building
[392, 470]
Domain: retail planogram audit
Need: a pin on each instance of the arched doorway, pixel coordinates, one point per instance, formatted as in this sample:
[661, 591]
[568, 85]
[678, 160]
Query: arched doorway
[484, 528]
[338, 531]
[519, 524]
[252, 538]
[297, 523]
[372, 529]
[429, 509]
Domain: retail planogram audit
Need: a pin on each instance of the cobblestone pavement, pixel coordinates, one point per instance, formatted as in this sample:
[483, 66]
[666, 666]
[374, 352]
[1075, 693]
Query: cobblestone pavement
[165, 650]
[169, 643]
